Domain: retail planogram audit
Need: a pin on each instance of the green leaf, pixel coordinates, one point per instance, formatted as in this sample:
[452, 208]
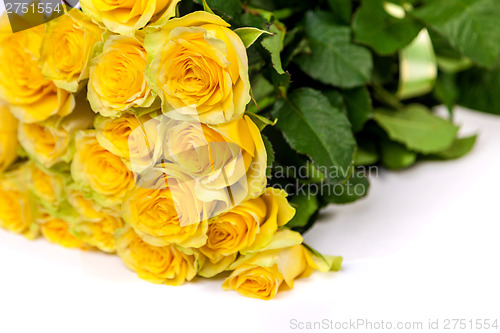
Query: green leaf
[227, 9]
[385, 33]
[285, 155]
[417, 128]
[207, 8]
[336, 99]
[263, 4]
[261, 121]
[306, 205]
[274, 44]
[281, 82]
[261, 87]
[459, 148]
[313, 127]
[479, 90]
[341, 10]
[270, 155]
[366, 154]
[263, 94]
[442, 46]
[354, 189]
[471, 26]
[446, 90]
[250, 35]
[252, 20]
[359, 107]
[452, 65]
[395, 156]
[335, 59]
[314, 175]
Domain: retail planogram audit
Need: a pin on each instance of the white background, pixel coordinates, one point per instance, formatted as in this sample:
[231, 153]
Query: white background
[424, 245]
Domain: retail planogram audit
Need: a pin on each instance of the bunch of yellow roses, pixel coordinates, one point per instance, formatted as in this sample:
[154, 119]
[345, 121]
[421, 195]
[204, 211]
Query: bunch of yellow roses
[123, 129]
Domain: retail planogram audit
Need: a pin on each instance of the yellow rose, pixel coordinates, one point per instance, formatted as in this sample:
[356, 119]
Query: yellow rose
[47, 186]
[95, 225]
[114, 134]
[31, 96]
[100, 233]
[17, 208]
[171, 264]
[125, 17]
[117, 82]
[49, 142]
[96, 169]
[5, 28]
[66, 49]
[56, 231]
[8, 138]
[199, 66]
[255, 281]
[162, 210]
[261, 274]
[210, 169]
[84, 205]
[250, 226]
[226, 162]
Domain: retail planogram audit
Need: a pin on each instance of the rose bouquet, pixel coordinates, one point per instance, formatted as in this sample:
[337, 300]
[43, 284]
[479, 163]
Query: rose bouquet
[133, 140]
[199, 138]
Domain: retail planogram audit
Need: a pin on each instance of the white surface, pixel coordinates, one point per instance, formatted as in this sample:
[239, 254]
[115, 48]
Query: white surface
[423, 245]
